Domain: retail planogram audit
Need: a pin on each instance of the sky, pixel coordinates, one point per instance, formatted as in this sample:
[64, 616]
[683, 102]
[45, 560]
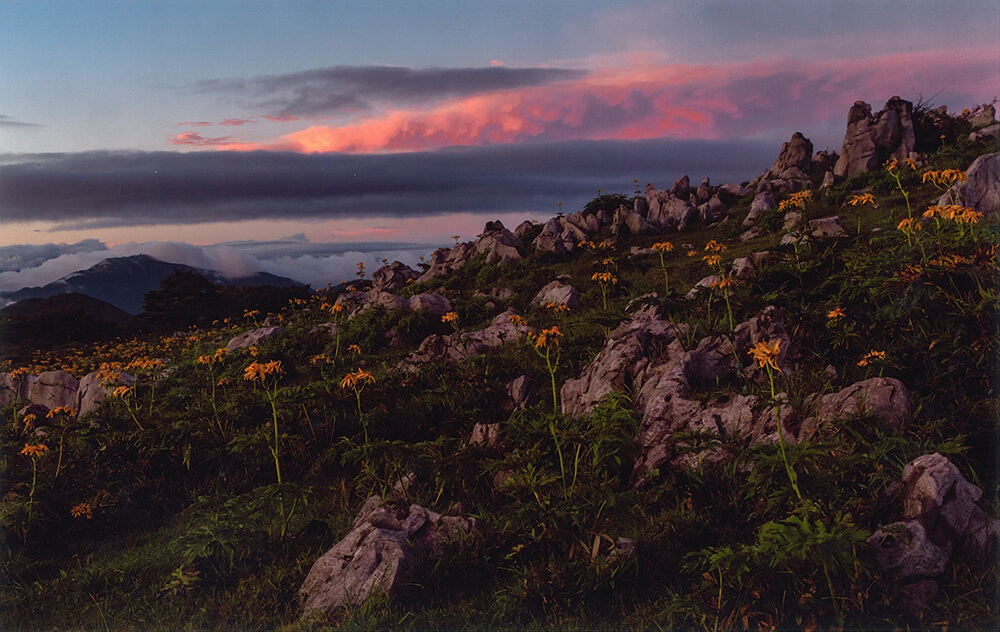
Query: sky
[300, 137]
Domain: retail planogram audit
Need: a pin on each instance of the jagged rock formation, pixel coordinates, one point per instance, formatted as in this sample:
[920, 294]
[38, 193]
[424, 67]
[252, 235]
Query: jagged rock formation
[982, 189]
[394, 276]
[58, 388]
[429, 302]
[794, 161]
[941, 518]
[462, 345]
[383, 551]
[558, 292]
[254, 337]
[873, 138]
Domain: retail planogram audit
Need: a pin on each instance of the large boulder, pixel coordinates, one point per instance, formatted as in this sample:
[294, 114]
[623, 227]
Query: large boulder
[670, 209]
[826, 227]
[53, 389]
[872, 138]
[982, 189]
[384, 550]
[884, 398]
[763, 201]
[462, 345]
[794, 160]
[387, 300]
[429, 302]
[94, 389]
[254, 337]
[558, 292]
[444, 260]
[393, 276]
[14, 388]
[497, 243]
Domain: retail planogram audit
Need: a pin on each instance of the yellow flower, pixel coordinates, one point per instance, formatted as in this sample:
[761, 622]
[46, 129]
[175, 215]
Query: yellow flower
[356, 379]
[549, 338]
[557, 308]
[122, 391]
[319, 359]
[258, 371]
[910, 224]
[861, 200]
[766, 354]
[712, 260]
[517, 320]
[451, 318]
[59, 410]
[692, 253]
[29, 421]
[83, 510]
[871, 357]
[836, 313]
[35, 450]
[715, 246]
[663, 246]
[222, 381]
[604, 277]
[355, 348]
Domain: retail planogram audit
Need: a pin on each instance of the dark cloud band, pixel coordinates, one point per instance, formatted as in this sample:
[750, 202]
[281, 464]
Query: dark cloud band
[101, 189]
[324, 91]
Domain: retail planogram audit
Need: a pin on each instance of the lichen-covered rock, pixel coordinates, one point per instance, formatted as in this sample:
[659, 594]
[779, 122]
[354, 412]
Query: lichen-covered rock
[429, 302]
[937, 495]
[826, 227]
[383, 551]
[982, 189]
[53, 389]
[463, 345]
[497, 243]
[94, 389]
[884, 398]
[393, 276]
[254, 337]
[869, 137]
[558, 292]
[795, 154]
[763, 201]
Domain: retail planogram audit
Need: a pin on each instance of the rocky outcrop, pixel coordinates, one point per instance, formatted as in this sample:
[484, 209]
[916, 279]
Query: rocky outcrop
[94, 389]
[53, 389]
[826, 227]
[794, 160]
[522, 392]
[763, 201]
[462, 345]
[941, 519]
[871, 139]
[445, 260]
[884, 398]
[558, 236]
[671, 209]
[497, 243]
[558, 292]
[487, 435]
[14, 388]
[384, 550]
[254, 337]
[982, 189]
[429, 302]
[394, 276]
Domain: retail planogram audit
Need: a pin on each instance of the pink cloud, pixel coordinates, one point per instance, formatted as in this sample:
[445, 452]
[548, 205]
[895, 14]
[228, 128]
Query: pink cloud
[646, 99]
[194, 138]
[281, 118]
[193, 124]
[236, 122]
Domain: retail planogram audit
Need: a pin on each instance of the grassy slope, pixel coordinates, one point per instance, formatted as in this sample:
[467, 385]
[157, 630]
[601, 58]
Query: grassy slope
[186, 527]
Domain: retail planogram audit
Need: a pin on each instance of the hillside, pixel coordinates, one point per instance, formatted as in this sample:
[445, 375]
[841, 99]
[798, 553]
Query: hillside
[125, 281]
[765, 405]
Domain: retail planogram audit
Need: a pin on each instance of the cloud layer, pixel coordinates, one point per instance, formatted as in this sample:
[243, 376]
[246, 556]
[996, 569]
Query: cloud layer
[101, 189]
[625, 97]
[316, 264]
[339, 89]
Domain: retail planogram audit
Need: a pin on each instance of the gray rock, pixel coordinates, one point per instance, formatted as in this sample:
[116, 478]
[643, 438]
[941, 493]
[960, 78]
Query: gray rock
[887, 133]
[462, 345]
[936, 495]
[793, 221]
[704, 284]
[523, 229]
[884, 398]
[53, 389]
[982, 190]
[523, 392]
[254, 337]
[497, 243]
[14, 389]
[384, 550]
[93, 390]
[735, 190]
[386, 300]
[558, 293]
[394, 276]
[704, 191]
[681, 188]
[487, 435]
[743, 268]
[826, 227]
[795, 154]
[763, 201]
[429, 302]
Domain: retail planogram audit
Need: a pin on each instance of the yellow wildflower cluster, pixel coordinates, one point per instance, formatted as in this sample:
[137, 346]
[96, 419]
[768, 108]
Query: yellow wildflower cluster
[836, 313]
[945, 179]
[862, 199]
[259, 371]
[557, 308]
[355, 348]
[548, 339]
[953, 212]
[714, 246]
[712, 260]
[796, 200]
[872, 357]
[216, 357]
[34, 450]
[82, 510]
[663, 246]
[766, 354]
[517, 320]
[604, 277]
[450, 318]
[357, 379]
[320, 359]
[909, 225]
[60, 410]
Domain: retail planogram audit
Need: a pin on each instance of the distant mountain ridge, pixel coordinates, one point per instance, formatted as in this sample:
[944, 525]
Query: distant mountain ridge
[124, 281]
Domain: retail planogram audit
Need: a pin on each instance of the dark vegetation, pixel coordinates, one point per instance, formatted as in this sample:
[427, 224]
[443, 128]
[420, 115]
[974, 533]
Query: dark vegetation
[189, 527]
